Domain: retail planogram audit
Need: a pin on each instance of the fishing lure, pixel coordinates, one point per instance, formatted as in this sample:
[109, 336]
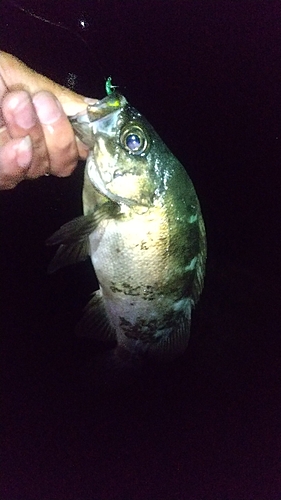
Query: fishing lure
[109, 88]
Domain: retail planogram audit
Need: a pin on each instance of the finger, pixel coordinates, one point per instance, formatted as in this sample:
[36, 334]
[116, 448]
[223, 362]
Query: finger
[4, 136]
[83, 150]
[58, 134]
[3, 90]
[21, 119]
[15, 160]
[16, 75]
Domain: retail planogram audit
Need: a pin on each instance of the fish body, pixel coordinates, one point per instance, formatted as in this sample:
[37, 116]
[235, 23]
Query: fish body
[143, 229]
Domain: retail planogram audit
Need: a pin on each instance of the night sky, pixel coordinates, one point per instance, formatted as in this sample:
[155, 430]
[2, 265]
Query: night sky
[207, 76]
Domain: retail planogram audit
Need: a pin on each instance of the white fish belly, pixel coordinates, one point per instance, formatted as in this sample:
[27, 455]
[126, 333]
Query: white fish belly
[132, 264]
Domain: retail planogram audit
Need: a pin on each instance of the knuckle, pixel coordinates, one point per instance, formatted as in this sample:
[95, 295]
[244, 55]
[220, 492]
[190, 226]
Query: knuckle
[38, 167]
[8, 183]
[65, 169]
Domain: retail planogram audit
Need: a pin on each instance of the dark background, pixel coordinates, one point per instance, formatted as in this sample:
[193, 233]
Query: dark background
[206, 427]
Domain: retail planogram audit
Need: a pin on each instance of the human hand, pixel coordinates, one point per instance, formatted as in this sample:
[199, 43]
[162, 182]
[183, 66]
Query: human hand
[36, 137]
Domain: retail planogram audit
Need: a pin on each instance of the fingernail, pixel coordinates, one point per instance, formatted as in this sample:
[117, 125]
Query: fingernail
[23, 110]
[24, 152]
[82, 145]
[89, 100]
[48, 108]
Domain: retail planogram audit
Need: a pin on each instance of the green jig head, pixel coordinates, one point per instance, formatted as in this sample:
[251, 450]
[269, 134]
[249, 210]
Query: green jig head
[109, 88]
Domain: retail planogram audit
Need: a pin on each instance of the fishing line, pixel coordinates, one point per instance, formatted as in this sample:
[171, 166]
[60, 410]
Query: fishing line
[83, 24]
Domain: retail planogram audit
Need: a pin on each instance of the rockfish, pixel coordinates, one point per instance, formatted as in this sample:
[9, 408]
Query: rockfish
[143, 229]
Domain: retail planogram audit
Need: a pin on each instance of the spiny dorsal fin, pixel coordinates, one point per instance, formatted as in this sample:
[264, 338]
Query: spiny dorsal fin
[201, 263]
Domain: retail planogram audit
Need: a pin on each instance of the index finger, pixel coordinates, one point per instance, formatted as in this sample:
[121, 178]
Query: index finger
[17, 76]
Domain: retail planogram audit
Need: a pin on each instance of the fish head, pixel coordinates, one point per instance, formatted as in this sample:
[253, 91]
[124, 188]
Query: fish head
[121, 161]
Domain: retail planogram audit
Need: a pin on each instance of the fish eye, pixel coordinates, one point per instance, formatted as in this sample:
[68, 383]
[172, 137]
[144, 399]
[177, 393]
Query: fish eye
[134, 140]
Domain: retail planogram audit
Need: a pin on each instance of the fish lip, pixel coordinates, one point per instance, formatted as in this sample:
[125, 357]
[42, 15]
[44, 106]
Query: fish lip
[106, 106]
[99, 109]
[86, 122]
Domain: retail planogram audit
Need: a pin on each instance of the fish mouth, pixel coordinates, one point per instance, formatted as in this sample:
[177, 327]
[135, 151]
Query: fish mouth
[86, 123]
[106, 106]
[98, 118]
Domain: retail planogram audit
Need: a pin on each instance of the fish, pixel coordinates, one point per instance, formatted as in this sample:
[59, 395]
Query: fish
[142, 227]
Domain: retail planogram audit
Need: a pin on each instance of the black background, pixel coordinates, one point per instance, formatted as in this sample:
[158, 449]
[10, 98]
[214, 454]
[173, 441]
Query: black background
[206, 427]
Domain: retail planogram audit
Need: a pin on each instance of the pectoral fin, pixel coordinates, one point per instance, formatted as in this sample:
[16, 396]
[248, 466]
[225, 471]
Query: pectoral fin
[73, 237]
[70, 254]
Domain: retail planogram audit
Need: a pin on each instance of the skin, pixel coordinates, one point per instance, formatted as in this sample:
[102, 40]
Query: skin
[145, 235]
[36, 137]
